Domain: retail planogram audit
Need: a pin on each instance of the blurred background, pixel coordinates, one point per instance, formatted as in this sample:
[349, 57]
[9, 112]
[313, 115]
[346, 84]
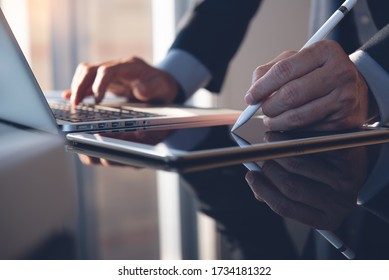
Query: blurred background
[56, 35]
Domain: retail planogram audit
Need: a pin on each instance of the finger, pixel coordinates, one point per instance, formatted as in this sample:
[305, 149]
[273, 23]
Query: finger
[313, 168]
[263, 69]
[299, 92]
[87, 160]
[130, 70]
[263, 189]
[82, 82]
[307, 115]
[283, 72]
[294, 185]
[108, 163]
[331, 205]
[67, 94]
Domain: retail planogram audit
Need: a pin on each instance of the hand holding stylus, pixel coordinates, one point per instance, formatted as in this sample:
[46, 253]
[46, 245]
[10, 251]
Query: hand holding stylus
[317, 88]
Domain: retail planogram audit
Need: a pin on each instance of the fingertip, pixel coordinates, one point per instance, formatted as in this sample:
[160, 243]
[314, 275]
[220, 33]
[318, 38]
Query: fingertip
[97, 98]
[249, 99]
[74, 99]
[96, 92]
[66, 94]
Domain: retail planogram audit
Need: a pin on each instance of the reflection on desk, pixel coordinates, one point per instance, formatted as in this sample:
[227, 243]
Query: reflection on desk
[345, 190]
[37, 196]
[319, 190]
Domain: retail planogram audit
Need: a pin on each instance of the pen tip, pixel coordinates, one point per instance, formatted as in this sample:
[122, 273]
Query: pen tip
[235, 127]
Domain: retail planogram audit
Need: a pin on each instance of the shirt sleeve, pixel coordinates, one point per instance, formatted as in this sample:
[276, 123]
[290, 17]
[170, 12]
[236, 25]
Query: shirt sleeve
[187, 70]
[378, 80]
[213, 33]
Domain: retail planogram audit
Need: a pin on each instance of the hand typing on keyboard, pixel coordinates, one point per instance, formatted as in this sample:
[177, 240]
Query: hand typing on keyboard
[131, 78]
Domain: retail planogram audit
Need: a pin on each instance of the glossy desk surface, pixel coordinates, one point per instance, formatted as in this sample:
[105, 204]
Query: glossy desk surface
[116, 211]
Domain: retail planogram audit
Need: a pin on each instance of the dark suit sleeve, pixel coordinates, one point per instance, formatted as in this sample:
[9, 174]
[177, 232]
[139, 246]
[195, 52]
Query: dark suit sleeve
[214, 32]
[378, 47]
[378, 205]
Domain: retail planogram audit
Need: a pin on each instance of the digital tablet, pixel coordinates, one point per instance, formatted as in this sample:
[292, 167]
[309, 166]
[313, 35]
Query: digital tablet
[198, 146]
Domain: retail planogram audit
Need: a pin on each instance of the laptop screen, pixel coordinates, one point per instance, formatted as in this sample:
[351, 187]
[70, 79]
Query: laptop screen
[21, 99]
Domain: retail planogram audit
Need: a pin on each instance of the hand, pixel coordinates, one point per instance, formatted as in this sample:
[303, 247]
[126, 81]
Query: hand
[131, 78]
[318, 190]
[318, 88]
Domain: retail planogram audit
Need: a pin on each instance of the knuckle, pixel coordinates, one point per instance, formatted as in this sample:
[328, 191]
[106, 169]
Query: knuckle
[329, 47]
[137, 59]
[295, 119]
[82, 68]
[266, 110]
[103, 70]
[294, 164]
[347, 73]
[259, 72]
[289, 95]
[281, 207]
[134, 60]
[283, 70]
[287, 53]
[290, 189]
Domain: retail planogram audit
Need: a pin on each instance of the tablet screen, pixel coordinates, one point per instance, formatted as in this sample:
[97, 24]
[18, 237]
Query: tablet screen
[200, 138]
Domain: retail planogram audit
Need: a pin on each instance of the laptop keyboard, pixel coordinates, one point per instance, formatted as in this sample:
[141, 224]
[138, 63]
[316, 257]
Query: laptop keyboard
[85, 113]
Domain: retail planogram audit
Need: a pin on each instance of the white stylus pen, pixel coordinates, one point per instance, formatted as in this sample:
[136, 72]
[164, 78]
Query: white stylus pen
[319, 35]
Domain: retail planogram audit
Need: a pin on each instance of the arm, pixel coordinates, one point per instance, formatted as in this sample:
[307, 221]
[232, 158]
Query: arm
[198, 57]
[207, 42]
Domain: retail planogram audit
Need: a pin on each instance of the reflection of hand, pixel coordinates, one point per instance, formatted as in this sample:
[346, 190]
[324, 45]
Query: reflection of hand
[88, 160]
[318, 190]
[131, 78]
[318, 88]
[138, 136]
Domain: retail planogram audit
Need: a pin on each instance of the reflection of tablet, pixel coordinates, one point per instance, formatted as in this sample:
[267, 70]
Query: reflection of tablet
[193, 148]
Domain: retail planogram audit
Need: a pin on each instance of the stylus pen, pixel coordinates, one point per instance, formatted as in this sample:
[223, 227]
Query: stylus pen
[328, 235]
[319, 35]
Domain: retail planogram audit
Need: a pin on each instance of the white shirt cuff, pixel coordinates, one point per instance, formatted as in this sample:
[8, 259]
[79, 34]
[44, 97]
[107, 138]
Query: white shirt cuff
[188, 71]
[377, 79]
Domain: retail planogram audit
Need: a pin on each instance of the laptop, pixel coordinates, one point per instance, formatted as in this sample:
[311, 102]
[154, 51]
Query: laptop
[23, 102]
